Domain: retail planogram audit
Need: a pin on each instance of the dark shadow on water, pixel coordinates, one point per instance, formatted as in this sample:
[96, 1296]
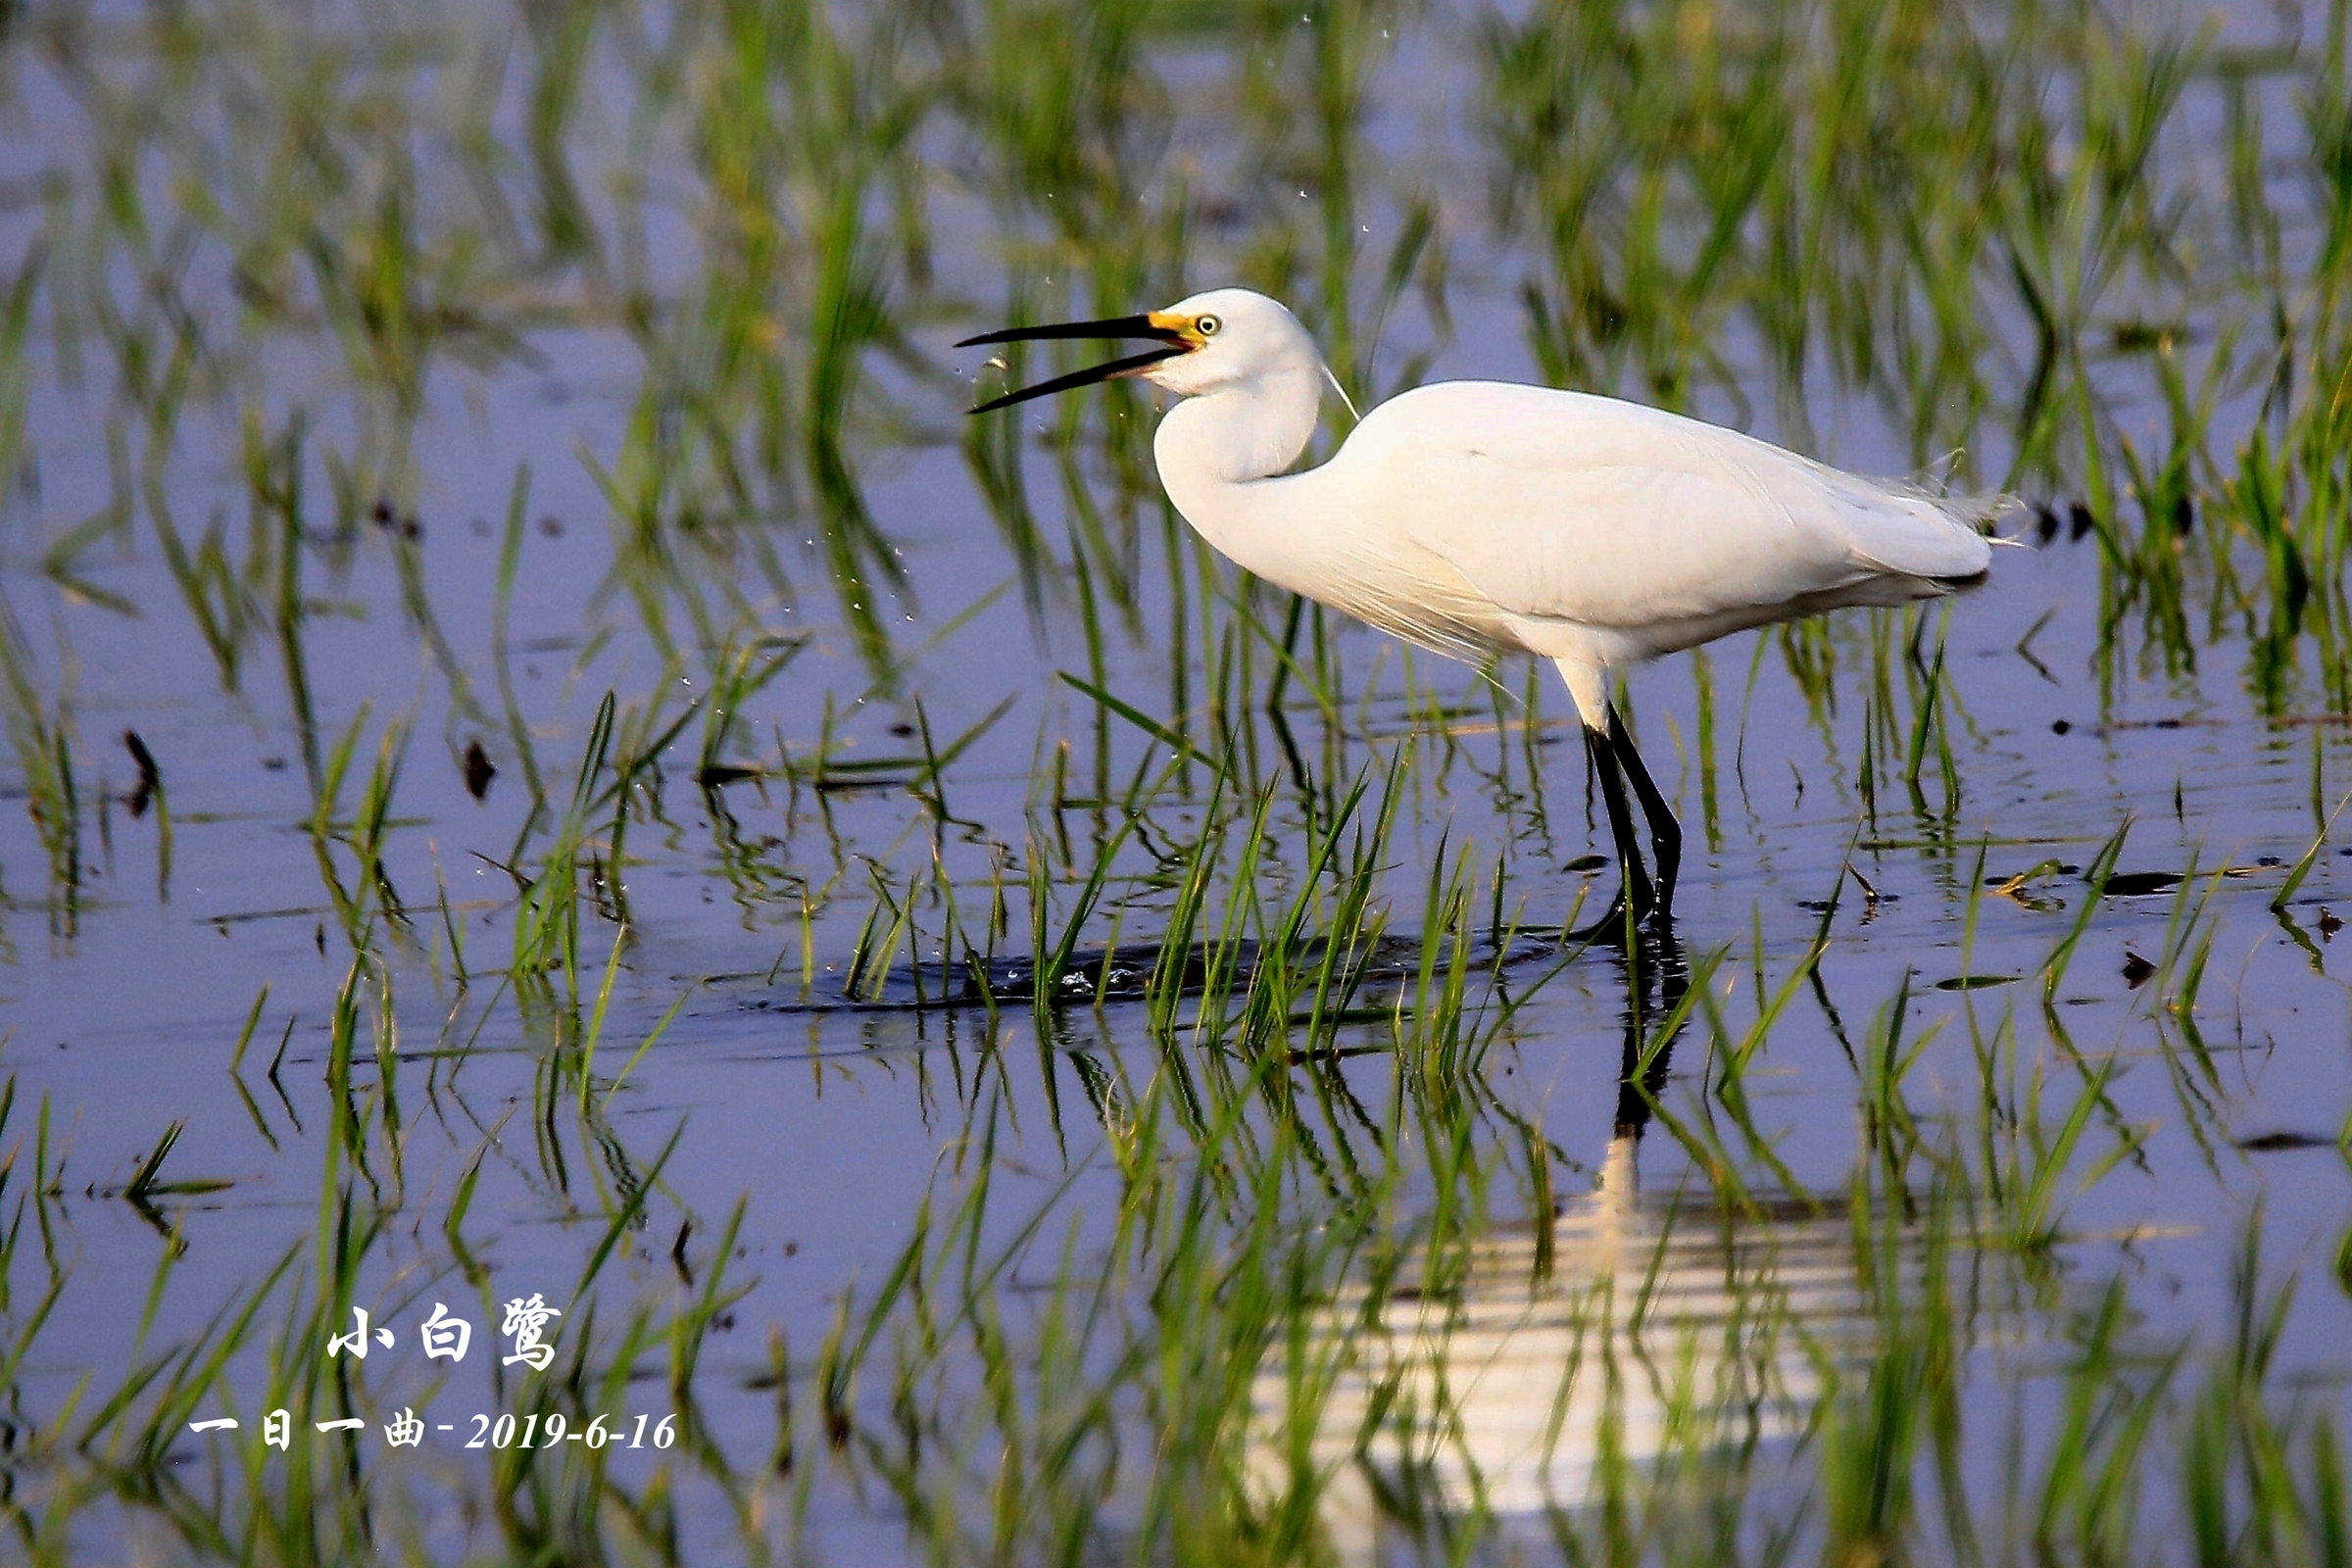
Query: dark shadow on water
[1377, 971]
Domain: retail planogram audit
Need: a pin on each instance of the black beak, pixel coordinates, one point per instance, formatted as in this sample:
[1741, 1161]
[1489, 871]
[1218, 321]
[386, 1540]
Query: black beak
[1172, 340]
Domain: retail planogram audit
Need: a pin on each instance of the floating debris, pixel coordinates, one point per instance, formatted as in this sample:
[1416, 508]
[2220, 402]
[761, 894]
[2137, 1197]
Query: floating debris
[150, 778]
[1976, 982]
[2279, 1141]
[479, 770]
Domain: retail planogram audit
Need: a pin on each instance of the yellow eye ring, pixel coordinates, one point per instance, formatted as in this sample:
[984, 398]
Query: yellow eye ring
[1207, 325]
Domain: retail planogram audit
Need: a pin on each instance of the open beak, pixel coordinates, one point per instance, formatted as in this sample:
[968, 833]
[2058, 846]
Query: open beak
[1173, 335]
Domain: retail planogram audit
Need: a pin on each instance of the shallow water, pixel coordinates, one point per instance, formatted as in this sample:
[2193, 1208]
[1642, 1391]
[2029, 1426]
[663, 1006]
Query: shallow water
[1992, 1014]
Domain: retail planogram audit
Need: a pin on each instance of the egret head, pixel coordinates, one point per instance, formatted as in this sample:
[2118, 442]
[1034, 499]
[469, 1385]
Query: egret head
[1225, 337]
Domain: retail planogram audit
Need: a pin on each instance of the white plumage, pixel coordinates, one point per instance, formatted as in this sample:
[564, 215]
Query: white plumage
[1478, 517]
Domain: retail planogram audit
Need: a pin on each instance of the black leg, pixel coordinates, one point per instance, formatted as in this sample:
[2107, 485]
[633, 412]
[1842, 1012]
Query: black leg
[1610, 929]
[1634, 895]
[1665, 833]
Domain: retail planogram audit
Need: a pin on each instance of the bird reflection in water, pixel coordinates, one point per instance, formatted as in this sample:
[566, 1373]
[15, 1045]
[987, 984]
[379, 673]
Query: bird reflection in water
[1636, 1339]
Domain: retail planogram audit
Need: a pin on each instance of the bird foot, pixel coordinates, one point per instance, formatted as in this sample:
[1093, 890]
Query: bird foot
[1616, 923]
[1609, 929]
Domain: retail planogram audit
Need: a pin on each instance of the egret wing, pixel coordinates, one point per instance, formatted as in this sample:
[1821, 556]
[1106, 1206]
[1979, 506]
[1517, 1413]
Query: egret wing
[1559, 505]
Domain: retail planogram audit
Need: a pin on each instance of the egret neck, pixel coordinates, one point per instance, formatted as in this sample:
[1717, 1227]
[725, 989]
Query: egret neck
[1223, 452]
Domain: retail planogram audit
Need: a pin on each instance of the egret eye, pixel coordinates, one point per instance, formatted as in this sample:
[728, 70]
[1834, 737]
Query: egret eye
[1207, 325]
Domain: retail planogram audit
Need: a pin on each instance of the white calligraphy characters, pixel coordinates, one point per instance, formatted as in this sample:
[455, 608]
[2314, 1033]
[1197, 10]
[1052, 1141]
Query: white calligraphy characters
[277, 1428]
[356, 1342]
[446, 1337]
[525, 1321]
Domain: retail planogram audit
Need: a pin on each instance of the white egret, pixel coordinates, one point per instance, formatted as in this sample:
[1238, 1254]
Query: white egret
[1481, 517]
